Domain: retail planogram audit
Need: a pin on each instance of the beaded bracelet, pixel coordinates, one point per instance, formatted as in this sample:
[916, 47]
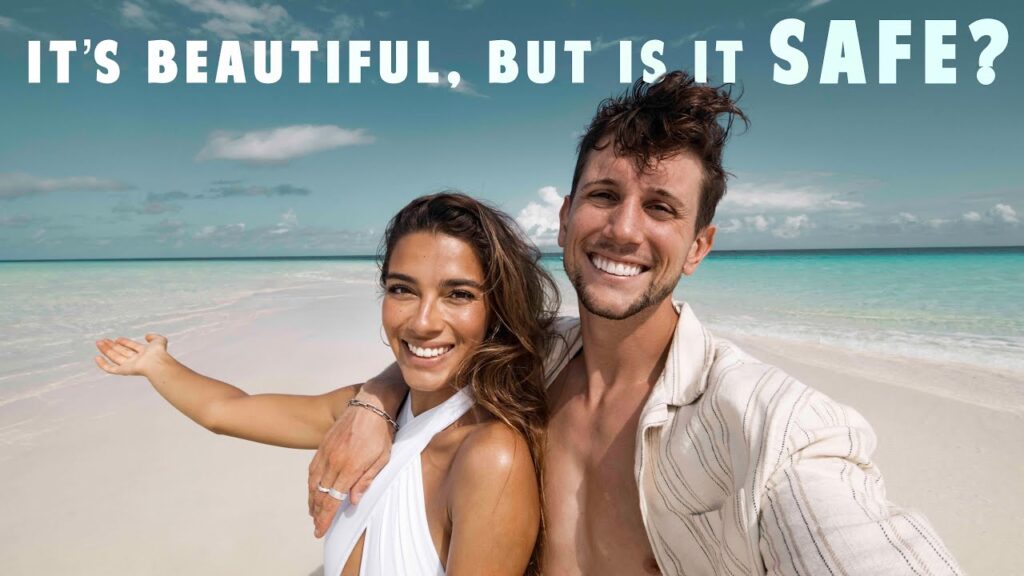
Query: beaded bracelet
[375, 410]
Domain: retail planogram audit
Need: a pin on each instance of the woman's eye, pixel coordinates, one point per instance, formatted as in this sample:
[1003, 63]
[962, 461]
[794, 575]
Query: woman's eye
[463, 295]
[398, 289]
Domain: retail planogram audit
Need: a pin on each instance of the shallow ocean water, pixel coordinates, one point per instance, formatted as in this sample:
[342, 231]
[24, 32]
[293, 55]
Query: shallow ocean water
[944, 305]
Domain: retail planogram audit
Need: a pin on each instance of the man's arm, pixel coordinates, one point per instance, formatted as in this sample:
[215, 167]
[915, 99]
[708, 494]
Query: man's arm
[356, 447]
[824, 510]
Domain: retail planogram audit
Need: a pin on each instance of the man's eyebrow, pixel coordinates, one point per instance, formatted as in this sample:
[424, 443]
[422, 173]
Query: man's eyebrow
[672, 198]
[602, 182]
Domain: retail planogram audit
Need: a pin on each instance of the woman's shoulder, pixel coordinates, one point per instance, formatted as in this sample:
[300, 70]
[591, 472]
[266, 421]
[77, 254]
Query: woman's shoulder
[491, 463]
[491, 450]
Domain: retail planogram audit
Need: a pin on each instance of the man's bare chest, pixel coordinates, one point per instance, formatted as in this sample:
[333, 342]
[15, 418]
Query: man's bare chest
[592, 502]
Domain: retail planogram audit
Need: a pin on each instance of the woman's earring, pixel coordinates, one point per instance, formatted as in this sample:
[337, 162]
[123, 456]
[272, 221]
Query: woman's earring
[383, 338]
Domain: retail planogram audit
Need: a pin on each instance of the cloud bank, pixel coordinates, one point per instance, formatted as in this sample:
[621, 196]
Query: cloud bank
[280, 145]
[15, 185]
[539, 219]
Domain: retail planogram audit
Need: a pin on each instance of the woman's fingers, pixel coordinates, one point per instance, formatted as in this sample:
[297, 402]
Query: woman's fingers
[106, 347]
[119, 353]
[105, 365]
[363, 484]
[131, 344]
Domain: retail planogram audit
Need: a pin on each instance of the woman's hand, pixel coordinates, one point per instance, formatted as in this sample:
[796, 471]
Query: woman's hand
[126, 357]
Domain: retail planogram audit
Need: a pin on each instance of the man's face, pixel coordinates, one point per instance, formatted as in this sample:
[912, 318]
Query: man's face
[628, 236]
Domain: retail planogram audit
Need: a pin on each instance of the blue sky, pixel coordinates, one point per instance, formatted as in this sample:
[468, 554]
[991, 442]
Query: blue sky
[134, 169]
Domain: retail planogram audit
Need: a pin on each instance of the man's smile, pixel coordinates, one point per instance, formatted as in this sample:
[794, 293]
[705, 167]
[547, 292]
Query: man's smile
[616, 267]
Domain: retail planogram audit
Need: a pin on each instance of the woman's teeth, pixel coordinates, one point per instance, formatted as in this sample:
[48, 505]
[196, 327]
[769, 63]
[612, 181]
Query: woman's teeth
[615, 268]
[427, 352]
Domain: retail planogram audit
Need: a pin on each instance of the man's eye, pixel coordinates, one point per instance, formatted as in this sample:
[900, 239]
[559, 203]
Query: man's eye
[662, 208]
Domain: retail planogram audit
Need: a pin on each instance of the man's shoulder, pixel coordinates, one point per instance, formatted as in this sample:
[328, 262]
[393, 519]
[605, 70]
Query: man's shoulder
[768, 403]
[733, 372]
[563, 341]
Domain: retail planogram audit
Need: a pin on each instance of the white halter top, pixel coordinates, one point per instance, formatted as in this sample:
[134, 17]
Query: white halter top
[392, 512]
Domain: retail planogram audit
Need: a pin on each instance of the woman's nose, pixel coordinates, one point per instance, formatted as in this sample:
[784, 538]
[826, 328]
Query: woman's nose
[428, 317]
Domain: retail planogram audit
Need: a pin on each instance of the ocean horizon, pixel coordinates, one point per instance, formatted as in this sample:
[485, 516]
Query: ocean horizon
[716, 253]
[937, 304]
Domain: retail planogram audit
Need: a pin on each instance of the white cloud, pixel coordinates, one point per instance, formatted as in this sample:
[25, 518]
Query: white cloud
[169, 231]
[232, 19]
[813, 4]
[343, 27]
[148, 208]
[138, 15]
[746, 198]
[788, 227]
[280, 145]
[464, 87]
[759, 222]
[21, 221]
[905, 218]
[600, 45]
[289, 221]
[731, 225]
[235, 189]
[38, 235]
[540, 219]
[1000, 214]
[13, 26]
[15, 185]
[289, 218]
[793, 226]
[698, 35]
[220, 232]
[1004, 213]
[466, 4]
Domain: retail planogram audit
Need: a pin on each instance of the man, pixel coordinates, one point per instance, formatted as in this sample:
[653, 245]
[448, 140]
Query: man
[670, 451]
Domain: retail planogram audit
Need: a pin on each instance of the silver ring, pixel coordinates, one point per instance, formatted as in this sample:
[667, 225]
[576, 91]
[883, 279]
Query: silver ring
[337, 494]
[322, 489]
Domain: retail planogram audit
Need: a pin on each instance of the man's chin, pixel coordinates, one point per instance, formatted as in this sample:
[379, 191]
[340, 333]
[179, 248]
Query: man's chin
[610, 310]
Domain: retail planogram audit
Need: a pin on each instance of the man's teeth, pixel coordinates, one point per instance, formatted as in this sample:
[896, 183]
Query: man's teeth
[615, 268]
[427, 352]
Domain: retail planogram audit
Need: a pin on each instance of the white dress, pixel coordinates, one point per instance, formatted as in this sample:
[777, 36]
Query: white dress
[392, 512]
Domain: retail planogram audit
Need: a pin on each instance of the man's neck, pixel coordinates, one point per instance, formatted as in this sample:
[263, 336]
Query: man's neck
[629, 352]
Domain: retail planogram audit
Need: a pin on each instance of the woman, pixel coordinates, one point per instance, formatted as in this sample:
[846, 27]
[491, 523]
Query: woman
[466, 309]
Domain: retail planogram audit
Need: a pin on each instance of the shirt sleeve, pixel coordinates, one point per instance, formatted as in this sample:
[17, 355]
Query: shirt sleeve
[564, 341]
[824, 508]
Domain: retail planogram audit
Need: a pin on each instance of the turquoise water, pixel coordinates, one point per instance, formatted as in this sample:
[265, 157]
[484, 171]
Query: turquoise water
[960, 305]
[955, 305]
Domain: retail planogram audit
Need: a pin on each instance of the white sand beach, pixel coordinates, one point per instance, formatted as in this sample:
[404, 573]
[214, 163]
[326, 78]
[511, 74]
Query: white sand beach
[102, 477]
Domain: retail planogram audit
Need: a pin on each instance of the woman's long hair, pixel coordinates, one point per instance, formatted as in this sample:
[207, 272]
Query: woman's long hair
[506, 371]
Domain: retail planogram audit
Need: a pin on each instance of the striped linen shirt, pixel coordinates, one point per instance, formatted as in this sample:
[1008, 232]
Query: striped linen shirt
[742, 469]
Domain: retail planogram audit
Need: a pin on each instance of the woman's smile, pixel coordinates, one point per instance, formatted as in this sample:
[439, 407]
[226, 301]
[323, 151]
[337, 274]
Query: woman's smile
[434, 310]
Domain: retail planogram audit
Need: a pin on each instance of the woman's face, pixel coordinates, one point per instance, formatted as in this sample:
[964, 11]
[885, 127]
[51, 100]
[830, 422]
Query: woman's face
[434, 312]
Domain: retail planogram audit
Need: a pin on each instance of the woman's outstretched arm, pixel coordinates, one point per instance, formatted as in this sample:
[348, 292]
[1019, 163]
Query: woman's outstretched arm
[495, 504]
[280, 419]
